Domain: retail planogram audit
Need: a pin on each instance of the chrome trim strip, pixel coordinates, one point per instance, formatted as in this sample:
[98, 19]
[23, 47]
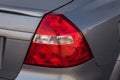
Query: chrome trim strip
[22, 11]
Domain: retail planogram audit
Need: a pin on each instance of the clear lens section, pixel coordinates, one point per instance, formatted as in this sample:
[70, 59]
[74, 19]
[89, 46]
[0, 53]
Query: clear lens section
[47, 39]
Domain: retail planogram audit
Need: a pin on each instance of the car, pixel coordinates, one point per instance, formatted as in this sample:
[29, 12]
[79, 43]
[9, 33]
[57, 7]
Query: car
[59, 39]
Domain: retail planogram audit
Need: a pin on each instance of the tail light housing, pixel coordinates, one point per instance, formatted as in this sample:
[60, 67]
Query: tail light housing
[57, 43]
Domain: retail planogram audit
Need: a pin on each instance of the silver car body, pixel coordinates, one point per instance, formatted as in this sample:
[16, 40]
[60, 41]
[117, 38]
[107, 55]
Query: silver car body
[99, 21]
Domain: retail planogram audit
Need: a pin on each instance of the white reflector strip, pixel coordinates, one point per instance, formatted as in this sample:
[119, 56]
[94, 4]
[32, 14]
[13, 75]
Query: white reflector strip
[47, 39]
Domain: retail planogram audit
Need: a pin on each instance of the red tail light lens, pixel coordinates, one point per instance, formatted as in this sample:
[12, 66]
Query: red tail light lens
[58, 43]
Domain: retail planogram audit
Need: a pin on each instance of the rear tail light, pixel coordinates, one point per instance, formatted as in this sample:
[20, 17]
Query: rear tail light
[58, 43]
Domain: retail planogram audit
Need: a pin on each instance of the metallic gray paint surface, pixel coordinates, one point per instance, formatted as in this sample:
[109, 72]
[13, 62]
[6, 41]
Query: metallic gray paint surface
[18, 26]
[86, 71]
[99, 24]
[116, 72]
[22, 11]
[18, 22]
[118, 57]
[13, 57]
[3, 79]
[104, 41]
[16, 34]
[98, 21]
[88, 13]
[36, 4]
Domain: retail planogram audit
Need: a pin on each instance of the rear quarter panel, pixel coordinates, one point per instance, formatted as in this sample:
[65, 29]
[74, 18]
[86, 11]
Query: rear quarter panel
[98, 20]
